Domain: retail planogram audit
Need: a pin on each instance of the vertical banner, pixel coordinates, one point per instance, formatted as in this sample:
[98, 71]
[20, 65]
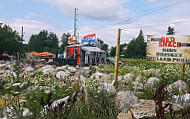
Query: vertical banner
[168, 48]
[91, 38]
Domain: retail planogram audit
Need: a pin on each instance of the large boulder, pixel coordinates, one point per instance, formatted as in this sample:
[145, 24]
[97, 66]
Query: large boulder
[109, 87]
[47, 69]
[100, 76]
[128, 77]
[124, 100]
[62, 74]
[179, 85]
[146, 109]
[28, 69]
[62, 68]
[181, 99]
[72, 69]
[140, 79]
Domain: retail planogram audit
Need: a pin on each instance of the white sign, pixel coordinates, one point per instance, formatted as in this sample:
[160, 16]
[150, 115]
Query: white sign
[168, 48]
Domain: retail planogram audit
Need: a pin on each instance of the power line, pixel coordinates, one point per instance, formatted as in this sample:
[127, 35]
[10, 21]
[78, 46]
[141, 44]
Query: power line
[160, 24]
[167, 6]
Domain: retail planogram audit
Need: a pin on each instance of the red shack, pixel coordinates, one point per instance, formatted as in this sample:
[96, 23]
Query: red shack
[85, 54]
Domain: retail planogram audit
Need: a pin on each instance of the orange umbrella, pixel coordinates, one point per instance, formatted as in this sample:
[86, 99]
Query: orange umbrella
[4, 54]
[35, 54]
[47, 54]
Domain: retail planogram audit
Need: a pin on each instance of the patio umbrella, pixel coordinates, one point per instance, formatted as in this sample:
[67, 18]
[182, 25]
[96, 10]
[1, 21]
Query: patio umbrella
[47, 54]
[35, 54]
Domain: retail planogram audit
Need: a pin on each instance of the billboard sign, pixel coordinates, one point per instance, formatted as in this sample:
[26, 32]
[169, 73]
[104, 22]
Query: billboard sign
[168, 48]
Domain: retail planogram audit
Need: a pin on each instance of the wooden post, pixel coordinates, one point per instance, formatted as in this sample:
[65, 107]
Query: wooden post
[117, 57]
[182, 71]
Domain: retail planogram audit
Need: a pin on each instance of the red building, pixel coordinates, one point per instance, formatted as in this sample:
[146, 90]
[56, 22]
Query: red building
[85, 54]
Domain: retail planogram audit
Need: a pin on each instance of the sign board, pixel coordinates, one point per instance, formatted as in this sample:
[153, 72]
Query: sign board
[168, 48]
[72, 40]
[91, 38]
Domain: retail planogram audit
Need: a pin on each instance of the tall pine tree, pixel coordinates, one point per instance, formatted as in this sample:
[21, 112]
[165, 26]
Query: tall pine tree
[170, 31]
[137, 47]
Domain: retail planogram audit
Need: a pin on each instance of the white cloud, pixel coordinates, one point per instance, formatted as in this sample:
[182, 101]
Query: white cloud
[151, 0]
[92, 9]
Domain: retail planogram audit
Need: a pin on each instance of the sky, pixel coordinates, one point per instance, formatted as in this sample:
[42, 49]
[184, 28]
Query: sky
[103, 17]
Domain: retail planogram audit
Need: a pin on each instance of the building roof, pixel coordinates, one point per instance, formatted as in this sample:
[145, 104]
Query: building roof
[92, 49]
[79, 45]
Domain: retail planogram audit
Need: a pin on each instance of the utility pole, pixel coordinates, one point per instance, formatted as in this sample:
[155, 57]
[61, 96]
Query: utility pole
[22, 40]
[117, 57]
[75, 20]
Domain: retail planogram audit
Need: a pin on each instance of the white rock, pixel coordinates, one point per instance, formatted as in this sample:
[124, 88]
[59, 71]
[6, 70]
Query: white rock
[23, 84]
[61, 68]
[10, 111]
[180, 85]
[56, 102]
[109, 87]
[181, 99]
[137, 86]
[62, 74]
[140, 79]
[100, 76]
[152, 80]
[128, 77]
[16, 84]
[124, 100]
[29, 69]
[119, 78]
[72, 69]
[47, 67]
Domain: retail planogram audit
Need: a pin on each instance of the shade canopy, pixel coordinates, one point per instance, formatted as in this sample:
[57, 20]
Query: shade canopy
[4, 54]
[46, 54]
[35, 54]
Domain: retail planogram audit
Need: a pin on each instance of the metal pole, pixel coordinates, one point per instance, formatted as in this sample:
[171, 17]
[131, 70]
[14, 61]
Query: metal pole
[75, 29]
[117, 57]
[22, 40]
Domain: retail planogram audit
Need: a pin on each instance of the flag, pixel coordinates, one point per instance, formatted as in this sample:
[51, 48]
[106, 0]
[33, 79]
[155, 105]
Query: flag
[89, 38]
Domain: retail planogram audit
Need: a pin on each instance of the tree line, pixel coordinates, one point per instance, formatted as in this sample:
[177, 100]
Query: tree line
[10, 42]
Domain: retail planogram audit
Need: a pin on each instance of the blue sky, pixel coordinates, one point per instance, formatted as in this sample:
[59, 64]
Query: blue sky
[102, 17]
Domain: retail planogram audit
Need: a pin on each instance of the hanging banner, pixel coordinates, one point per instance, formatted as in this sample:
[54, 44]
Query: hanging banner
[91, 38]
[168, 48]
[72, 40]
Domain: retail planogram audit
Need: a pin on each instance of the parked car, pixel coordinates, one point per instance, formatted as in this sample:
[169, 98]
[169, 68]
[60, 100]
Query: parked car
[111, 60]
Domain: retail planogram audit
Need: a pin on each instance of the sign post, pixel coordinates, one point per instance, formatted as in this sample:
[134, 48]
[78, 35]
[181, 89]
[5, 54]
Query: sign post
[117, 57]
[182, 71]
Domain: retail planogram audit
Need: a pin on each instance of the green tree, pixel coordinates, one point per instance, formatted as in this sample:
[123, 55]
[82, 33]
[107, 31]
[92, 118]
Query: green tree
[44, 41]
[136, 48]
[123, 47]
[113, 51]
[64, 41]
[170, 31]
[10, 40]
